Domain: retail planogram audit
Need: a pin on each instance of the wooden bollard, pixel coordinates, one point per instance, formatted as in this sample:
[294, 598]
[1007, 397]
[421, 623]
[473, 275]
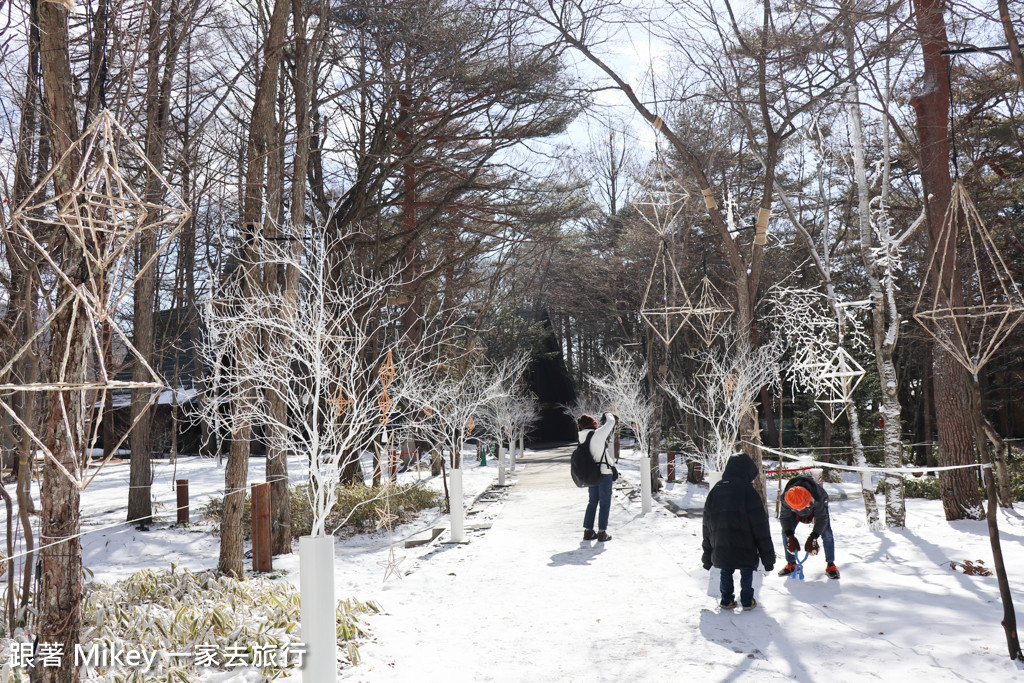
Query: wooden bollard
[181, 488]
[261, 551]
[671, 458]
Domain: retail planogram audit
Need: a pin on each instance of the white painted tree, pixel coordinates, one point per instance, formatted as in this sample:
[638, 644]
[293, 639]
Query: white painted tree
[624, 388]
[722, 395]
[500, 408]
[453, 398]
[591, 403]
[328, 352]
[526, 414]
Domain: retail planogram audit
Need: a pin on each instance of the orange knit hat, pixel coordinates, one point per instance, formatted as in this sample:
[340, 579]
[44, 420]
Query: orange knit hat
[798, 498]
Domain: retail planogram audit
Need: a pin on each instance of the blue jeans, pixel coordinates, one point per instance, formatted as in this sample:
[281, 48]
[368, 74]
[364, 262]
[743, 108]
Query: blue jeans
[746, 585]
[602, 493]
[826, 540]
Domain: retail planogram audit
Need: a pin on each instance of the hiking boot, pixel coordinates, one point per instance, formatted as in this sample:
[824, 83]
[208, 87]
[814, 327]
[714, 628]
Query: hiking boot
[788, 569]
[832, 571]
[603, 536]
[752, 605]
[727, 605]
[589, 535]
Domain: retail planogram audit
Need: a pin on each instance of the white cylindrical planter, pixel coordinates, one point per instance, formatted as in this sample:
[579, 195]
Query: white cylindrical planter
[645, 484]
[713, 478]
[512, 455]
[317, 609]
[501, 465]
[458, 514]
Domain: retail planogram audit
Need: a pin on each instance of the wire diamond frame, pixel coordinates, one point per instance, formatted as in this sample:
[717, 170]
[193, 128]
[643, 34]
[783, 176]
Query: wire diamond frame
[711, 311]
[663, 205]
[104, 217]
[839, 377]
[659, 307]
[976, 303]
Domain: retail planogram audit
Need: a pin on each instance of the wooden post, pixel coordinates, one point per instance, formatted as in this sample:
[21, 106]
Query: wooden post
[261, 551]
[671, 458]
[181, 488]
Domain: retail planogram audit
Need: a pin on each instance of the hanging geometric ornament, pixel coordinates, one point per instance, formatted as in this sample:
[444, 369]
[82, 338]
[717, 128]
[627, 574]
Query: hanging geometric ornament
[710, 313]
[838, 379]
[968, 301]
[665, 305]
[103, 214]
[664, 203]
[104, 217]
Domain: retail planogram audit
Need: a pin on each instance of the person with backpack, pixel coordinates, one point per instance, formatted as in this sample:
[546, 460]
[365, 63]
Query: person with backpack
[805, 500]
[736, 531]
[600, 443]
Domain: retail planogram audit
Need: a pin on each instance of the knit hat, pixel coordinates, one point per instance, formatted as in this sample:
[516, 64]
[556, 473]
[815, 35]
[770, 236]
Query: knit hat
[797, 498]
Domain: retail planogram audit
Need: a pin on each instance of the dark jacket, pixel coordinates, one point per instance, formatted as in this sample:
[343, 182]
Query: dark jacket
[736, 528]
[816, 513]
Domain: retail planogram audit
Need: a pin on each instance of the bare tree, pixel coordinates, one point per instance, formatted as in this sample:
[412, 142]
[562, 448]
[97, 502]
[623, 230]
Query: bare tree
[724, 391]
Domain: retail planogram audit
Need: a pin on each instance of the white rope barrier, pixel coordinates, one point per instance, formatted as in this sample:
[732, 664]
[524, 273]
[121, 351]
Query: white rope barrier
[878, 470]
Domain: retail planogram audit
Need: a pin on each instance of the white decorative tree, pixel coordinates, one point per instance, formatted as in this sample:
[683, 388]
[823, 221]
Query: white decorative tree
[624, 388]
[331, 352]
[501, 406]
[722, 395]
[452, 397]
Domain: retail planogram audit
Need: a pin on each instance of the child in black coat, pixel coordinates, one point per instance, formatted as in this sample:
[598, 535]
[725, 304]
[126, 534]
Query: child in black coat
[736, 531]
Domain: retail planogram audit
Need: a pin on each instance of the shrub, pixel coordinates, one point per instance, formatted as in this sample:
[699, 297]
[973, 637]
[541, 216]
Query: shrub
[177, 610]
[357, 510]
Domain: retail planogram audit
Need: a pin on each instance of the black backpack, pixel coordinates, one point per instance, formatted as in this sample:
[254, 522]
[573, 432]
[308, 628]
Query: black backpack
[585, 470]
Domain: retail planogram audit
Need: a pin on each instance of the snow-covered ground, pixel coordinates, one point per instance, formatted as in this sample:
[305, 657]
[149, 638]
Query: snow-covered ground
[527, 600]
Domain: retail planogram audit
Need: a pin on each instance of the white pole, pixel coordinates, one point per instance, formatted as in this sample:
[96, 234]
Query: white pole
[512, 453]
[317, 609]
[501, 464]
[522, 445]
[457, 512]
[645, 483]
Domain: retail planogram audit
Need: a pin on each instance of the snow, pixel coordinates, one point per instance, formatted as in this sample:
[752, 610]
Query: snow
[527, 600]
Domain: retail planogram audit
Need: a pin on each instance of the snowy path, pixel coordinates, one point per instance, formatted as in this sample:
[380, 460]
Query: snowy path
[527, 600]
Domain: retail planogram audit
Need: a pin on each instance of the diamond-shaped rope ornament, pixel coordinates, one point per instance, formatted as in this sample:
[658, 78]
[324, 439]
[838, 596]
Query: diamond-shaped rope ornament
[838, 378]
[341, 402]
[663, 203]
[387, 371]
[104, 217]
[103, 214]
[665, 306]
[969, 302]
[710, 313]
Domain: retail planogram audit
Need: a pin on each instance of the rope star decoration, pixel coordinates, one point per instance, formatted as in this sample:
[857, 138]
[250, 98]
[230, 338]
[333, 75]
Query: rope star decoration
[391, 565]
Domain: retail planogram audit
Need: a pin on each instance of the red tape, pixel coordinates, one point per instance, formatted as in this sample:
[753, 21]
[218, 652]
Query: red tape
[802, 469]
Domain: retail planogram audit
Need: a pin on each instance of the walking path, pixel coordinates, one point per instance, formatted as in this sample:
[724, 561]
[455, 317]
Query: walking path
[528, 600]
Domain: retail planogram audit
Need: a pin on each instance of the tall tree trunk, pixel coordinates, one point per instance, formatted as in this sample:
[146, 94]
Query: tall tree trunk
[959, 488]
[158, 96]
[60, 596]
[262, 129]
[885, 320]
[1011, 40]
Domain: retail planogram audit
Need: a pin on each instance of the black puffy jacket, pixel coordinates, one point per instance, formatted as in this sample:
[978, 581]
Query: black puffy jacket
[736, 528]
[815, 514]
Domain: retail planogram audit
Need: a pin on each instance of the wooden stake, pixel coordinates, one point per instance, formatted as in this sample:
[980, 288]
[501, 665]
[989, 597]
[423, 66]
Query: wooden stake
[181, 488]
[671, 458]
[261, 551]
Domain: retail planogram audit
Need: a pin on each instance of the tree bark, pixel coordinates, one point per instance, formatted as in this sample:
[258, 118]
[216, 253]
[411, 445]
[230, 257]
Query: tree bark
[60, 593]
[959, 488]
[262, 129]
